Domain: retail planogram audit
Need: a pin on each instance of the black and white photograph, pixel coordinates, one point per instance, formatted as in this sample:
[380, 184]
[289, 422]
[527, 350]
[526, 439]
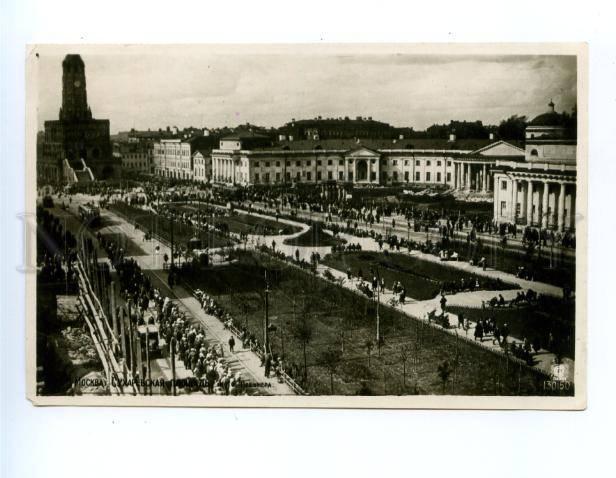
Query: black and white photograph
[370, 226]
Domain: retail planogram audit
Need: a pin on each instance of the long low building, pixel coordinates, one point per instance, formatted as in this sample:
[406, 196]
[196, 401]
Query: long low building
[460, 164]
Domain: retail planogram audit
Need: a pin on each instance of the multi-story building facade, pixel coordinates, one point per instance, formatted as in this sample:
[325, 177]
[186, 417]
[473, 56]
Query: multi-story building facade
[135, 156]
[202, 166]
[173, 158]
[539, 188]
[465, 165]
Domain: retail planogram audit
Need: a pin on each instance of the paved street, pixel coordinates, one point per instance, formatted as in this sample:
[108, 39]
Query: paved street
[152, 264]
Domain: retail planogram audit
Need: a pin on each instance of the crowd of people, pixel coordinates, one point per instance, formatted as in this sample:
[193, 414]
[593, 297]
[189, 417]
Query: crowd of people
[271, 362]
[203, 358]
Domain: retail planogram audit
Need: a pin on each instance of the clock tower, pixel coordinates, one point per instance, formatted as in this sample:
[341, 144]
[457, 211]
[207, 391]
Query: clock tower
[76, 144]
[74, 96]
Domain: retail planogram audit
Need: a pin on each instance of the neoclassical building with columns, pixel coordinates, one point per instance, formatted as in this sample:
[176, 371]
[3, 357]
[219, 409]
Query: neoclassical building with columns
[465, 165]
[539, 189]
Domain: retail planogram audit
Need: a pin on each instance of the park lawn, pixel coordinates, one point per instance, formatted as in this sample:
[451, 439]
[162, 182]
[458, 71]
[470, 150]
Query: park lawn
[422, 279]
[315, 237]
[562, 272]
[532, 322]
[249, 224]
[182, 233]
[240, 223]
[334, 313]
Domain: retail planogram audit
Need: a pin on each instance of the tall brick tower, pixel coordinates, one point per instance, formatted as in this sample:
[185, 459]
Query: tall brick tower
[74, 95]
[76, 141]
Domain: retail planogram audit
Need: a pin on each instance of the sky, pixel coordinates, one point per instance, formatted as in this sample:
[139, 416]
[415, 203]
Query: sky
[154, 87]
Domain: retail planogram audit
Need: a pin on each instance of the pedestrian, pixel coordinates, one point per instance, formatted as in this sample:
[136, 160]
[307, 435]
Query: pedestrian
[231, 343]
[443, 302]
[479, 331]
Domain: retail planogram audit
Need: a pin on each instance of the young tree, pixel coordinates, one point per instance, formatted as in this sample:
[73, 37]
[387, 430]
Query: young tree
[444, 371]
[302, 332]
[369, 346]
[331, 359]
[405, 355]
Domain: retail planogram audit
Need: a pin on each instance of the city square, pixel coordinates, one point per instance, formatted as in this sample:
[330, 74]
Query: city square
[322, 256]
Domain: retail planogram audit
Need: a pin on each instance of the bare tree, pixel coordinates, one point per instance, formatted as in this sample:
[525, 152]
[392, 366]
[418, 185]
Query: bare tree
[405, 355]
[303, 332]
[444, 371]
[369, 346]
[331, 359]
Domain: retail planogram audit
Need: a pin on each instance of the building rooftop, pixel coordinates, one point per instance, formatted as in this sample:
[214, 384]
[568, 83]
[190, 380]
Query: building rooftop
[380, 144]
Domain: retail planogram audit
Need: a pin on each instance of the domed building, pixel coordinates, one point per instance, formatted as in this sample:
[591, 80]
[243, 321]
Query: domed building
[540, 189]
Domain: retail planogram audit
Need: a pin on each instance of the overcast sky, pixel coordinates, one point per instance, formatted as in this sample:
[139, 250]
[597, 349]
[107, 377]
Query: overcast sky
[182, 86]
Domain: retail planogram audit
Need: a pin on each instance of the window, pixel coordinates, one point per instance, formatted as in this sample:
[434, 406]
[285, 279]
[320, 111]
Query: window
[256, 164]
[267, 164]
[329, 162]
[503, 208]
[448, 177]
[330, 175]
[406, 176]
[297, 163]
[417, 162]
[277, 164]
[308, 163]
[395, 161]
[308, 176]
[438, 177]
[417, 176]
[318, 162]
[503, 185]
[288, 163]
[428, 163]
[318, 175]
[341, 162]
[406, 162]
[256, 177]
[267, 177]
[438, 163]
[395, 175]
[340, 175]
[383, 162]
[428, 177]
[288, 175]
[298, 176]
[534, 153]
[373, 175]
[277, 177]
[448, 163]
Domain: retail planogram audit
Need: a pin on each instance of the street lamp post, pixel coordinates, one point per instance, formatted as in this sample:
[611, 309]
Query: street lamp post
[266, 318]
[378, 301]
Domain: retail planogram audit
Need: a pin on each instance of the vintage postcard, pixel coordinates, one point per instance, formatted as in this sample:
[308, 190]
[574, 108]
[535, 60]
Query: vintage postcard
[348, 226]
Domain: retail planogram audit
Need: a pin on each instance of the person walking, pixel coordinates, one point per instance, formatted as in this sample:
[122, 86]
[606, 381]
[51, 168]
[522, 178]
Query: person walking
[231, 343]
[479, 331]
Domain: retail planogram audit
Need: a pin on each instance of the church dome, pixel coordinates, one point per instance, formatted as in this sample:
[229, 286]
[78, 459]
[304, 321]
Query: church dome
[551, 118]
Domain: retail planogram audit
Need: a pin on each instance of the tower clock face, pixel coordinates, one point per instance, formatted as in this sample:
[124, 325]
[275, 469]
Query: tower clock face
[77, 83]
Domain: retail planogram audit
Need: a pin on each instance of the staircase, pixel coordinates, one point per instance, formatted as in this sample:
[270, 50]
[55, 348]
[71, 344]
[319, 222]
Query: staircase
[77, 172]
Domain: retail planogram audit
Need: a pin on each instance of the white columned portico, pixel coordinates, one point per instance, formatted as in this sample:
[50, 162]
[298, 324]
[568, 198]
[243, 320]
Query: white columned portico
[529, 203]
[544, 205]
[514, 200]
[561, 207]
